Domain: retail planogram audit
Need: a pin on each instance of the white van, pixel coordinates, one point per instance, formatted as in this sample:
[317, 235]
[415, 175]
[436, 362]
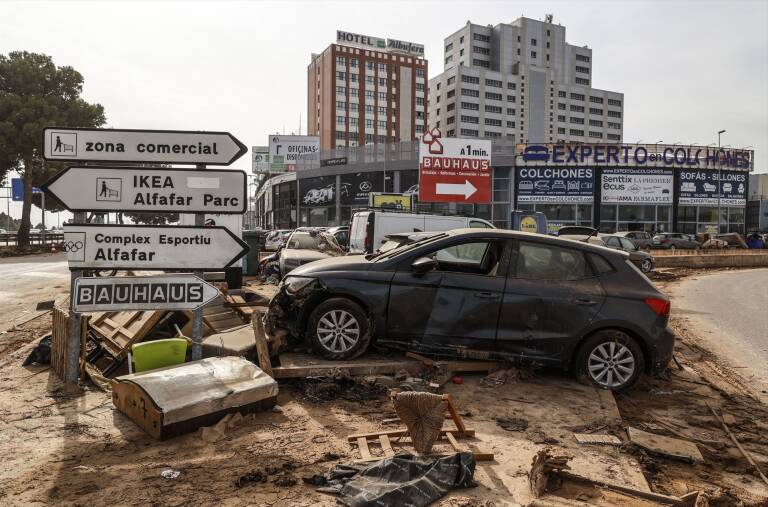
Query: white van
[368, 228]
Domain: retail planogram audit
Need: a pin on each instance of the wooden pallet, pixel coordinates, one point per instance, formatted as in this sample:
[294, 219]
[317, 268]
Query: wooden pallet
[60, 341]
[384, 438]
[120, 330]
[217, 318]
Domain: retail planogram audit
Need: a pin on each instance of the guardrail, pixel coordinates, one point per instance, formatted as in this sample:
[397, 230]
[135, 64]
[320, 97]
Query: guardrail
[9, 239]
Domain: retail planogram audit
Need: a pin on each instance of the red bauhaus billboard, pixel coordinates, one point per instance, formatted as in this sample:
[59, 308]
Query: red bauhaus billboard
[454, 169]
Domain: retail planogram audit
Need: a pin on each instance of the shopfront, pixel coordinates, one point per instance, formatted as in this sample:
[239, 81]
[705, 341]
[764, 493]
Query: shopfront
[564, 194]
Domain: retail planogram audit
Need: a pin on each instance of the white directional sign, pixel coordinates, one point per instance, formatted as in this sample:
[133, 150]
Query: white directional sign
[142, 146]
[161, 292]
[96, 246]
[157, 190]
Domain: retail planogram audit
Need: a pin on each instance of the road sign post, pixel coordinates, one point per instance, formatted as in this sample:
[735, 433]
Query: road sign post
[73, 325]
[197, 315]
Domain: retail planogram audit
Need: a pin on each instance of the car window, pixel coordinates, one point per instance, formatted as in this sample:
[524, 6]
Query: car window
[548, 262]
[612, 241]
[627, 244]
[477, 257]
[474, 224]
[601, 264]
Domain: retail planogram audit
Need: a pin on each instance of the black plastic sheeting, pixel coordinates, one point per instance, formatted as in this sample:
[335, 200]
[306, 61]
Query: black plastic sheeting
[402, 480]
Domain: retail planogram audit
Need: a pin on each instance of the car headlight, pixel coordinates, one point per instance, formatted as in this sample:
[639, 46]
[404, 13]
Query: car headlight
[294, 284]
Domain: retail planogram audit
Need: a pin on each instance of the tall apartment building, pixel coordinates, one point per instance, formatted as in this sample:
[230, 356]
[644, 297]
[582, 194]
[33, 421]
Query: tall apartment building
[365, 90]
[524, 81]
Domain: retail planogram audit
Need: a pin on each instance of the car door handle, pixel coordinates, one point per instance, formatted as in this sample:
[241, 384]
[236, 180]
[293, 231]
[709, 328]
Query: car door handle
[585, 302]
[486, 295]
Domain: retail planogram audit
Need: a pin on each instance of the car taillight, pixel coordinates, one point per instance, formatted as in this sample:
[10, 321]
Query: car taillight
[658, 305]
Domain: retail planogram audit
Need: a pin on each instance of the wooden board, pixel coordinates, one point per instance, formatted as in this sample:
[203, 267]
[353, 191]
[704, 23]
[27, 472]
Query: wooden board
[60, 341]
[403, 432]
[120, 330]
[665, 446]
[217, 318]
[601, 439]
[303, 365]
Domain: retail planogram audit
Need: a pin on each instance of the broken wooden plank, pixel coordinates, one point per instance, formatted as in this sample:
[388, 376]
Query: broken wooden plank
[601, 439]
[386, 445]
[738, 445]
[362, 445]
[353, 367]
[262, 352]
[404, 431]
[665, 446]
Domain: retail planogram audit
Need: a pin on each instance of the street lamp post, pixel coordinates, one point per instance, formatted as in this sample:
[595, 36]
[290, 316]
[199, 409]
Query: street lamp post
[719, 174]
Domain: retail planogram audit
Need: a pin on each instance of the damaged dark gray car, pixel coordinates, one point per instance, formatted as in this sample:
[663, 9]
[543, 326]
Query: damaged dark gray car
[484, 293]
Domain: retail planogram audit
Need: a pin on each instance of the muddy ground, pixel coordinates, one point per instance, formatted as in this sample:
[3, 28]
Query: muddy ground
[76, 449]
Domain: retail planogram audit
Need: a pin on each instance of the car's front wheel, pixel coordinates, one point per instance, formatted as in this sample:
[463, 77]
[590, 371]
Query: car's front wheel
[646, 266]
[339, 329]
[610, 360]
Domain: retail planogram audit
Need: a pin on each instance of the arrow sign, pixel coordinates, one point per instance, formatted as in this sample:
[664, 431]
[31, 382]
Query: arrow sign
[157, 190]
[141, 146]
[103, 246]
[161, 292]
[466, 189]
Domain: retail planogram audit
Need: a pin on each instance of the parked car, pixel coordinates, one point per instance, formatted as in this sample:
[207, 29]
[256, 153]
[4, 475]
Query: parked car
[307, 245]
[368, 228]
[510, 295]
[641, 239]
[675, 240]
[404, 238]
[275, 239]
[643, 260]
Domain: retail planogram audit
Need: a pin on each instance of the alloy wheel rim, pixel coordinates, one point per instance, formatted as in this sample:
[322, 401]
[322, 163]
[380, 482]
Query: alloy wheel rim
[611, 364]
[646, 266]
[338, 331]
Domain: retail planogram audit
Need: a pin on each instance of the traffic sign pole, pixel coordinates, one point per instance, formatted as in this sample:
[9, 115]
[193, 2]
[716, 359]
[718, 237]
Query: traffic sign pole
[197, 314]
[74, 328]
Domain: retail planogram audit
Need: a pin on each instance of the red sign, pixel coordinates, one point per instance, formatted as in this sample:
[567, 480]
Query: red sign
[454, 169]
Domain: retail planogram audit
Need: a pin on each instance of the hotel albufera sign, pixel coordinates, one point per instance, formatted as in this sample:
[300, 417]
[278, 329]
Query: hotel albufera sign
[642, 155]
[393, 45]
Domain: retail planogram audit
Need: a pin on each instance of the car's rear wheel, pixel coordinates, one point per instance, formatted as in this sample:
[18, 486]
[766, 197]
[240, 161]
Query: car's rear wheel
[610, 360]
[339, 329]
[646, 266]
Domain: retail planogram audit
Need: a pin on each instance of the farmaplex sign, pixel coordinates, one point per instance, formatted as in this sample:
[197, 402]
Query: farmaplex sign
[607, 155]
[700, 187]
[557, 185]
[636, 186]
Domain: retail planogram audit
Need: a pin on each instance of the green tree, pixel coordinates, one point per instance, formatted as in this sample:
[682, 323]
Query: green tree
[34, 94]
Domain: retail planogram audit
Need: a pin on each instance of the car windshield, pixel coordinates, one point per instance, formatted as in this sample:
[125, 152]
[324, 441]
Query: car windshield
[314, 240]
[405, 248]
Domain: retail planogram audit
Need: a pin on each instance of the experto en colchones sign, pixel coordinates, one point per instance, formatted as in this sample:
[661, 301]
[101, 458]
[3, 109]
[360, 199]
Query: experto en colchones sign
[379, 43]
[633, 155]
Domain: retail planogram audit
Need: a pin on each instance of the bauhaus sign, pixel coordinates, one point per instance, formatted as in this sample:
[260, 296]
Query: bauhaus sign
[633, 155]
[158, 292]
[454, 169]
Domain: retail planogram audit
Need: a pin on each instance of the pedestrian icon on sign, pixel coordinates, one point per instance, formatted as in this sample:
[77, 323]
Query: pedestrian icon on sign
[108, 189]
[63, 144]
[58, 144]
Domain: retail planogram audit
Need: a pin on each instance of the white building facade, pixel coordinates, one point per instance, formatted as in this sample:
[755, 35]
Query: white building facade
[522, 80]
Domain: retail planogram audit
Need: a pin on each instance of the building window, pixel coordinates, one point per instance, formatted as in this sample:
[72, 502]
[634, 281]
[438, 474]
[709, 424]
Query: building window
[481, 38]
[449, 47]
[561, 94]
[354, 91]
[383, 109]
[578, 109]
[510, 124]
[469, 132]
[493, 82]
[582, 58]
[511, 111]
[368, 109]
[612, 125]
[353, 122]
[577, 96]
[470, 106]
[511, 86]
[452, 93]
[461, 40]
[353, 62]
[340, 60]
[419, 101]
[493, 109]
[382, 124]
[597, 135]
[340, 136]
[450, 107]
[582, 70]
[340, 90]
[450, 120]
[382, 81]
[614, 137]
[614, 102]
[547, 55]
[382, 95]
[493, 96]
[582, 81]
[353, 106]
[382, 67]
[489, 133]
[596, 100]
[419, 87]
[368, 138]
[448, 59]
[450, 80]
[594, 110]
[340, 75]
[368, 123]
[560, 130]
[340, 105]
[561, 106]
[575, 132]
[482, 51]
[518, 51]
[481, 63]
[419, 72]
[493, 122]
[577, 120]
[470, 119]
[340, 120]
[369, 79]
[470, 93]
[368, 94]
[461, 52]
[511, 98]
[533, 54]
[533, 42]
[614, 114]
[470, 79]
[353, 78]
[561, 117]
[595, 123]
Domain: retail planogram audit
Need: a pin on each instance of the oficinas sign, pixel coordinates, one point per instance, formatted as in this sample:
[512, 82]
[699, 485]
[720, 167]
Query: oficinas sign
[636, 155]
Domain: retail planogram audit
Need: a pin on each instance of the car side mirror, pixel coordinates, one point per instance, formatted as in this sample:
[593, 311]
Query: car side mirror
[423, 265]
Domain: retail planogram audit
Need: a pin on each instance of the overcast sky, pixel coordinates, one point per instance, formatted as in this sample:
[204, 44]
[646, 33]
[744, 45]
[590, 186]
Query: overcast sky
[687, 68]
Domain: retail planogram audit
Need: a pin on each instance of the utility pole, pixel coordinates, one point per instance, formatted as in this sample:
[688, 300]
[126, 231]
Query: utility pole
[719, 174]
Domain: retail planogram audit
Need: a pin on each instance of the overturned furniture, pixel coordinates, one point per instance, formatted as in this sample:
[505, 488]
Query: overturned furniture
[178, 399]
